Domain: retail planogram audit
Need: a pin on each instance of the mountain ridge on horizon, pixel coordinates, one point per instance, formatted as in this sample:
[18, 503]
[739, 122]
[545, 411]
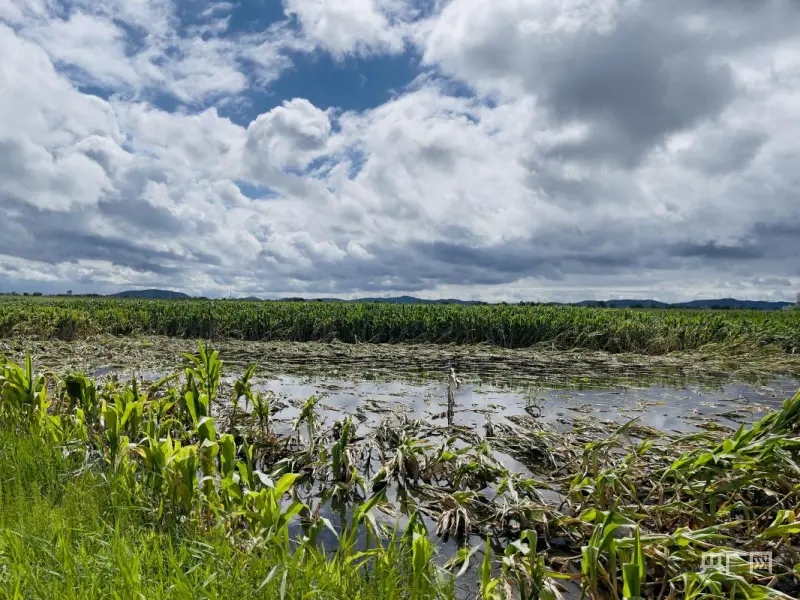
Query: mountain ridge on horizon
[151, 294]
[729, 303]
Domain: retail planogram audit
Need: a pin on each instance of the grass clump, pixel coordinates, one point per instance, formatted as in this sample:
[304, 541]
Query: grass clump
[94, 504]
[64, 533]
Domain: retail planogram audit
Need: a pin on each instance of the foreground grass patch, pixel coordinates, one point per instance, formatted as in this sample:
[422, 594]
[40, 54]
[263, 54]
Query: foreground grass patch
[64, 533]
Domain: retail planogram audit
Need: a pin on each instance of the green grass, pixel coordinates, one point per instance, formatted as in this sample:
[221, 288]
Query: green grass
[109, 492]
[614, 330]
[67, 536]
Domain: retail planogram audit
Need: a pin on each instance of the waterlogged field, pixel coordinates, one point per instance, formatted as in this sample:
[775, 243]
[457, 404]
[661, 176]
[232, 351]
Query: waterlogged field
[165, 470]
[577, 453]
[652, 332]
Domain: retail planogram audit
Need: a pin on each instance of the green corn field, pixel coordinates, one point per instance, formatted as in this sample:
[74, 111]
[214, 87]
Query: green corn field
[613, 330]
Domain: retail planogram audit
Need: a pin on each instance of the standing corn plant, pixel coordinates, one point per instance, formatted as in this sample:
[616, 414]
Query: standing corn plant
[523, 573]
[242, 389]
[24, 395]
[204, 369]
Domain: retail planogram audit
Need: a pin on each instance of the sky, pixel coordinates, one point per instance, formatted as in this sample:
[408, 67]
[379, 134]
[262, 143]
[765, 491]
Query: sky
[496, 150]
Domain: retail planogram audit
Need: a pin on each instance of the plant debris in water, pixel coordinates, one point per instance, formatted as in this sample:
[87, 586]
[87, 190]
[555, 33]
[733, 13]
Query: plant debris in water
[154, 355]
[597, 510]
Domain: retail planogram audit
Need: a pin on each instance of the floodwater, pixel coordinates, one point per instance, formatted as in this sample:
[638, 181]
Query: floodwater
[394, 384]
[667, 409]
[539, 366]
[682, 392]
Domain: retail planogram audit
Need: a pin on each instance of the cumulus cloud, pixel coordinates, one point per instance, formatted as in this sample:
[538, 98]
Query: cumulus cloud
[288, 135]
[544, 150]
[353, 26]
[631, 73]
[142, 48]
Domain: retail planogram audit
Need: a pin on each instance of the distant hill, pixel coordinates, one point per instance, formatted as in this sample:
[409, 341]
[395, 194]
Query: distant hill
[733, 303]
[624, 303]
[724, 303]
[728, 303]
[388, 300]
[414, 300]
[151, 295]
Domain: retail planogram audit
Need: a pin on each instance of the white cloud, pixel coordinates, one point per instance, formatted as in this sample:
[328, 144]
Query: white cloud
[431, 161]
[39, 104]
[93, 44]
[135, 47]
[10, 11]
[198, 143]
[41, 164]
[287, 136]
[352, 26]
[59, 183]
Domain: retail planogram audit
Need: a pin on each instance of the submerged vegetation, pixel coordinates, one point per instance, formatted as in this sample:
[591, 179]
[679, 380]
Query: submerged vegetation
[192, 487]
[641, 331]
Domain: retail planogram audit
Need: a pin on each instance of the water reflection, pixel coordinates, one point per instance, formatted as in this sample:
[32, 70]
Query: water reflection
[664, 408]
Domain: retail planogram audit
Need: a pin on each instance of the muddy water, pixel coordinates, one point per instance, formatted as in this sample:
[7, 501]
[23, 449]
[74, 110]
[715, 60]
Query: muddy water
[662, 407]
[679, 392]
[665, 408]
[539, 366]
